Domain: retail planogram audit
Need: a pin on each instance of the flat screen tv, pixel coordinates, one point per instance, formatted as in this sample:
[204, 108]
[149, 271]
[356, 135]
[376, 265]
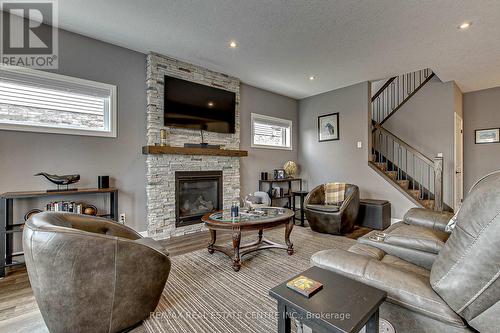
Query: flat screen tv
[197, 106]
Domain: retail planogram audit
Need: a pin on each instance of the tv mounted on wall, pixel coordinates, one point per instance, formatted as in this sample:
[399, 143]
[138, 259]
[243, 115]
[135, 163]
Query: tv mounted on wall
[199, 107]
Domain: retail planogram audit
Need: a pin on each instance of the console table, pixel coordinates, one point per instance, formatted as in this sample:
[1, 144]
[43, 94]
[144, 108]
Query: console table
[8, 228]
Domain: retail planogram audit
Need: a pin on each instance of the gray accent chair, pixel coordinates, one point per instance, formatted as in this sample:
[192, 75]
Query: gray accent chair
[417, 239]
[332, 219]
[461, 292]
[91, 274]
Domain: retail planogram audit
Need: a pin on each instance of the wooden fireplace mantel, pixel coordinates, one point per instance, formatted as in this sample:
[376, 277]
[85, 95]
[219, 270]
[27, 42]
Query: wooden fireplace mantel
[155, 150]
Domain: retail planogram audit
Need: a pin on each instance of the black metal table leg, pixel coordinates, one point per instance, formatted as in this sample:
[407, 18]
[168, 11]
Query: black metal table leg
[372, 326]
[3, 235]
[284, 323]
[302, 210]
[113, 197]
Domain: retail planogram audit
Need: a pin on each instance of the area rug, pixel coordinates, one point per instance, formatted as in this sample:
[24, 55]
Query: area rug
[204, 294]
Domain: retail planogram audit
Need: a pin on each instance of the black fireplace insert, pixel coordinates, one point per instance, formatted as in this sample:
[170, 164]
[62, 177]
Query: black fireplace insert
[196, 193]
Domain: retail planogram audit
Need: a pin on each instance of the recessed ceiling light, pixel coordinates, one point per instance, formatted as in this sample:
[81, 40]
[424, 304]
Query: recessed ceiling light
[312, 78]
[465, 25]
[233, 44]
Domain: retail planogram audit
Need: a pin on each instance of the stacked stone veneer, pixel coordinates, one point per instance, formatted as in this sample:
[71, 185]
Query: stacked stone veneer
[160, 169]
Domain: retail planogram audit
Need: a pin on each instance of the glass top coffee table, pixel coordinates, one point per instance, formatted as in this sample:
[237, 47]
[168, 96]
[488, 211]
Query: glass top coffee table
[258, 219]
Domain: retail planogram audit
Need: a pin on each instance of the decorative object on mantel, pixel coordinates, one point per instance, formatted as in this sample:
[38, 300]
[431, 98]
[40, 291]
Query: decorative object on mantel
[487, 135]
[60, 181]
[290, 168]
[328, 127]
[163, 137]
[264, 176]
[203, 144]
[155, 150]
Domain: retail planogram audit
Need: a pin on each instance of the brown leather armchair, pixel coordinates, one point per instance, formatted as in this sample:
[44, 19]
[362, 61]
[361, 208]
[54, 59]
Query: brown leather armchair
[90, 274]
[332, 219]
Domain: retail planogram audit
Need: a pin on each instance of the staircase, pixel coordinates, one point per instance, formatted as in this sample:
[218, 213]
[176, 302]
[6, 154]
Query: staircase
[418, 177]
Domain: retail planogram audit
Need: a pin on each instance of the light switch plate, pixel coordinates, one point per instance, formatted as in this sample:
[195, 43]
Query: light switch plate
[360, 144]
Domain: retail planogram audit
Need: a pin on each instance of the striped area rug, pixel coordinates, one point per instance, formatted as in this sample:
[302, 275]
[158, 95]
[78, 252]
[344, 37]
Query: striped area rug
[204, 294]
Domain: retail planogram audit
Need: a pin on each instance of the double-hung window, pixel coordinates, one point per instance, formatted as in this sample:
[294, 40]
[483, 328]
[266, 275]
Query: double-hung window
[270, 132]
[38, 101]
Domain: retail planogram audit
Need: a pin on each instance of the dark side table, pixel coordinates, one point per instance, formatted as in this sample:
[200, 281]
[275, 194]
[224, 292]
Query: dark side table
[343, 305]
[302, 195]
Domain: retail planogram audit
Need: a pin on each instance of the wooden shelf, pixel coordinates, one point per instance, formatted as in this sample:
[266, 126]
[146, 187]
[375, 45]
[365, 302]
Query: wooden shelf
[155, 150]
[31, 194]
[284, 180]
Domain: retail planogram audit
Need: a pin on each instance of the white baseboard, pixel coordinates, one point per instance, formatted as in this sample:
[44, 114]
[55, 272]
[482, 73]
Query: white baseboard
[143, 233]
[393, 220]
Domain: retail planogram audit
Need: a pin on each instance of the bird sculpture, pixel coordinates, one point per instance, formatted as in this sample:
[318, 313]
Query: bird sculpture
[60, 180]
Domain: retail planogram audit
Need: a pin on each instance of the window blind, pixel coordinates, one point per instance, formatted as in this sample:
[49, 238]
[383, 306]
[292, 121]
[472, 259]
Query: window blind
[271, 132]
[34, 99]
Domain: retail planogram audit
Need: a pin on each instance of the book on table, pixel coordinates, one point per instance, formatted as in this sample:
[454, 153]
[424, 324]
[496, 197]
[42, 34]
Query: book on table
[304, 285]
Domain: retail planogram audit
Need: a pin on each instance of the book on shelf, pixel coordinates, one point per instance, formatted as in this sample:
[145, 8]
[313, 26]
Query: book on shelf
[304, 285]
[65, 206]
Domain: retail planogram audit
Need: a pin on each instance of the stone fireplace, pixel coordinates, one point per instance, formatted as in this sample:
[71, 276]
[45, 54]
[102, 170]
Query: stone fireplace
[196, 193]
[163, 171]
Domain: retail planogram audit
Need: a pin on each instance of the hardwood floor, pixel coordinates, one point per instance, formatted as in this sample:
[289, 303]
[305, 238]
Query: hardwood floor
[19, 311]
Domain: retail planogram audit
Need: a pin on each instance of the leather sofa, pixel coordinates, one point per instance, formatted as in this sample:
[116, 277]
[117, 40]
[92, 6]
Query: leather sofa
[90, 274]
[461, 291]
[332, 219]
[417, 239]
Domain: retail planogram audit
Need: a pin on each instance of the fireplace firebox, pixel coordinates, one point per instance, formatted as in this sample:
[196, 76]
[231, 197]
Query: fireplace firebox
[196, 193]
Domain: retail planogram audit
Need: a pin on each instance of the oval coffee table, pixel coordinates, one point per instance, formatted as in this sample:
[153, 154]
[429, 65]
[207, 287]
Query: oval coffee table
[258, 219]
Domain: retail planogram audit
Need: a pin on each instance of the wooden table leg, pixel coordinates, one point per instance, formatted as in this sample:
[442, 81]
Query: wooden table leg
[284, 324]
[213, 238]
[372, 326]
[236, 248]
[288, 231]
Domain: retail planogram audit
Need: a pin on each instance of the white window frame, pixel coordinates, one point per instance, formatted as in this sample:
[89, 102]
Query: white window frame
[112, 114]
[257, 116]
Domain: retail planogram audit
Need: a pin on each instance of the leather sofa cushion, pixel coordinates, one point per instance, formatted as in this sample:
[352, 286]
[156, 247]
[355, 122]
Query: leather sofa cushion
[324, 208]
[416, 237]
[428, 218]
[423, 259]
[403, 287]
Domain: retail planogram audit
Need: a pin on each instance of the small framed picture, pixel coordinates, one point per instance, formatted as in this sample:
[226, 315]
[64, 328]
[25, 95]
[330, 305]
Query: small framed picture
[328, 127]
[488, 135]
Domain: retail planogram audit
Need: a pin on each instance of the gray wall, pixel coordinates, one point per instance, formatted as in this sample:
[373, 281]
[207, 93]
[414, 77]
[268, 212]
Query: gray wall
[340, 160]
[481, 109]
[426, 122]
[255, 100]
[24, 154]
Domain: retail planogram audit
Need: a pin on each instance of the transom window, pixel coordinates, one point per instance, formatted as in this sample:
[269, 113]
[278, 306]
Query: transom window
[38, 101]
[270, 132]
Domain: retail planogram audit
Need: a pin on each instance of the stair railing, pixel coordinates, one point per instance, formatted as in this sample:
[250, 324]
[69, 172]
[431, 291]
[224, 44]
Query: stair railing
[423, 173]
[396, 92]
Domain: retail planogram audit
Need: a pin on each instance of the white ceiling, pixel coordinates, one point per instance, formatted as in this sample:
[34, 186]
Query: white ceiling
[283, 42]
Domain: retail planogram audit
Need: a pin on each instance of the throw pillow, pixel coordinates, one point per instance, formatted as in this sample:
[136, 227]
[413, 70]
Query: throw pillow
[334, 193]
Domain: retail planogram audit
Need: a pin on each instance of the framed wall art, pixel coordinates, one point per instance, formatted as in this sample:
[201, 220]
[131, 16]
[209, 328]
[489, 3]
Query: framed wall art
[328, 127]
[488, 135]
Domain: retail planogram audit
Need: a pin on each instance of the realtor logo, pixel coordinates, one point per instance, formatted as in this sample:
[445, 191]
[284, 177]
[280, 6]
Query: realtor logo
[29, 34]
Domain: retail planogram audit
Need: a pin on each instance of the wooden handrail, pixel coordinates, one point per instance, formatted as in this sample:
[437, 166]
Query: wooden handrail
[383, 88]
[413, 150]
